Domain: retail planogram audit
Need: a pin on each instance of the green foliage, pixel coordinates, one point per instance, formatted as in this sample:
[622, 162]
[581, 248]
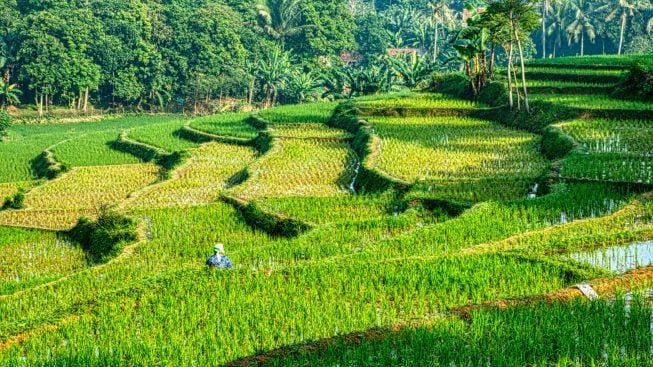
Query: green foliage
[638, 83]
[556, 144]
[271, 223]
[45, 165]
[5, 123]
[104, 238]
[494, 94]
[17, 201]
[452, 84]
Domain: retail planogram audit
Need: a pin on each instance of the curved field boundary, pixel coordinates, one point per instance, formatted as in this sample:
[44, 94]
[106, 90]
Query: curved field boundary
[548, 64]
[261, 143]
[189, 133]
[46, 165]
[146, 152]
[512, 242]
[126, 251]
[606, 287]
[572, 90]
[562, 75]
[311, 138]
[367, 144]
[271, 223]
[149, 153]
[414, 111]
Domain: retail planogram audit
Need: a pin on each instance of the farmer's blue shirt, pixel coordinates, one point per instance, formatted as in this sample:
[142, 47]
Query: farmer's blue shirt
[220, 262]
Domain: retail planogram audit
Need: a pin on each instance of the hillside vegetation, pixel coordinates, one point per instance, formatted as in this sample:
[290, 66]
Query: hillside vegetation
[398, 229]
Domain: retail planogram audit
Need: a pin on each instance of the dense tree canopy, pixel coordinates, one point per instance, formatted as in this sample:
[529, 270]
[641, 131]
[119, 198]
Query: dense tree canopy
[175, 54]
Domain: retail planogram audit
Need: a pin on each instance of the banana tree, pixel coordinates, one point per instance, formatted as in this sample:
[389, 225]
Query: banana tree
[412, 68]
[471, 45]
[10, 94]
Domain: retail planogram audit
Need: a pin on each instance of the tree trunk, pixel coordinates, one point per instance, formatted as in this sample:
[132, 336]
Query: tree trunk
[492, 57]
[514, 75]
[621, 35]
[510, 99]
[543, 29]
[39, 103]
[86, 100]
[582, 44]
[435, 42]
[523, 71]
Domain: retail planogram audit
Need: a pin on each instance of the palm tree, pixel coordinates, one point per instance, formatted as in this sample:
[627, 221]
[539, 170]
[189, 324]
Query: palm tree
[273, 71]
[280, 18]
[10, 94]
[521, 18]
[582, 23]
[546, 7]
[623, 9]
[442, 15]
[557, 26]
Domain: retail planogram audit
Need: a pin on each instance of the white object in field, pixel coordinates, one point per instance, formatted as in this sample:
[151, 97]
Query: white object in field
[588, 291]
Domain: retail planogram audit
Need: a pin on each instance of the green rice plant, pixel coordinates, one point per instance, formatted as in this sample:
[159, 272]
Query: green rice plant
[208, 171]
[9, 189]
[300, 305]
[609, 167]
[580, 74]
[29, 258]
[301, 167]
[595, 102]
[59, 203]
[420, 101]
[307, 131]
[608, 62]
[229, 124]
[612, 136]
[446, 150]
[323, 210]
[552, 83]
[162, 136]
[310, 112]
[77, 144]
[575, 333]
[92, 150]
[18, 152]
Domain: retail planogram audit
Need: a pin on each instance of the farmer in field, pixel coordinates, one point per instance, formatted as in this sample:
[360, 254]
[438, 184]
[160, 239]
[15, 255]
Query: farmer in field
[219, 260]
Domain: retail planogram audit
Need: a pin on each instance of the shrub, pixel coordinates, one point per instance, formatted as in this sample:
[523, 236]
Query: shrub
[104, 238]
[494, 94]
[453, 84]
[17, 201]
[556, 144]
[5, 122]
[637, 84]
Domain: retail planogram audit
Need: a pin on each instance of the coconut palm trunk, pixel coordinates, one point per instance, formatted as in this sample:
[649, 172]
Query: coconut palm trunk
[624, 20]
[544, 28]
[510, 98]
[435, 41]
[523, 69]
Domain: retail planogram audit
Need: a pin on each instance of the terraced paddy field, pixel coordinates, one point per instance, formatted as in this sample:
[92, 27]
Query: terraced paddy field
[402, 229]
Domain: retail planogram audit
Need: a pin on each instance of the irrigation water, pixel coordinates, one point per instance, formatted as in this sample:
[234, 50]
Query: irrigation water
[619, 259]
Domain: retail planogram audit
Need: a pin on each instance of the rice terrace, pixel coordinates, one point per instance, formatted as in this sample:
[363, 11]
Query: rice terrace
[380, 183]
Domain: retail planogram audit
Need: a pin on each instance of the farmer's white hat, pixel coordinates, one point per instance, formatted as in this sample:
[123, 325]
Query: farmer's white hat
[218, 247]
